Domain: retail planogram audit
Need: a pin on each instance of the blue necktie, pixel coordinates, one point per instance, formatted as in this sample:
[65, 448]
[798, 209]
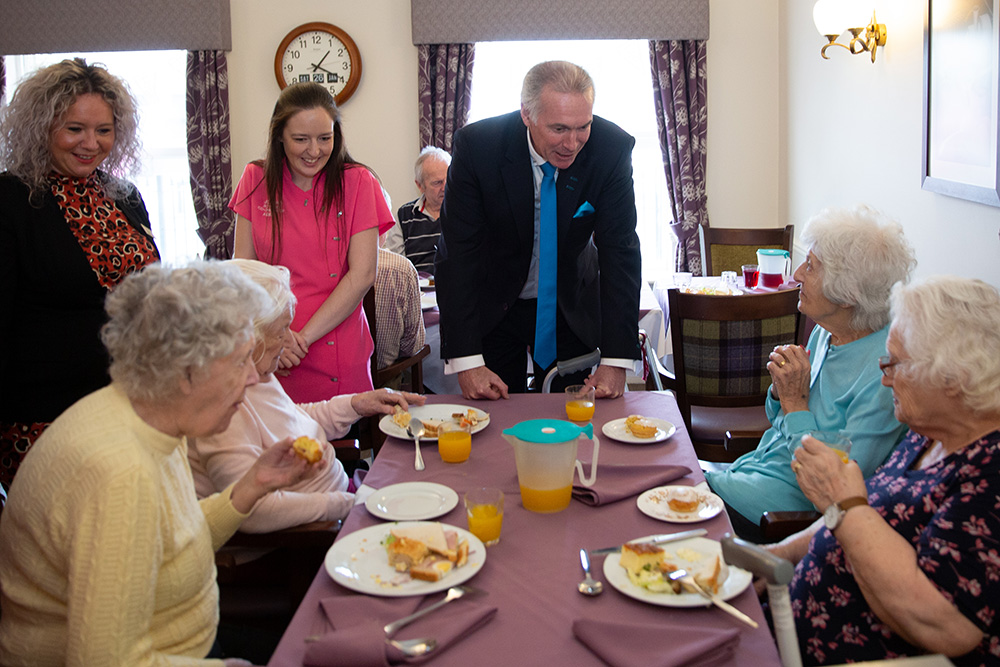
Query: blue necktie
[545, 317]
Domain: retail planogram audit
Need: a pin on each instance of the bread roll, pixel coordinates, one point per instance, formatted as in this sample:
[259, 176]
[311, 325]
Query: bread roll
[308, 449]
[684, 499]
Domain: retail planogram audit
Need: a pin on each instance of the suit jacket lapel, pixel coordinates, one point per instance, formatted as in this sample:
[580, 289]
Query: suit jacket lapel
[518, 180]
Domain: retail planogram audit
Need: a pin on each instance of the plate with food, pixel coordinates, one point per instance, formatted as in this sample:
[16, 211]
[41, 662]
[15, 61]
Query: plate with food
[404, 559]
[679, 504]
[639, 430]
[433, 416]
[425, 282]
[640, 572]
[411, 501]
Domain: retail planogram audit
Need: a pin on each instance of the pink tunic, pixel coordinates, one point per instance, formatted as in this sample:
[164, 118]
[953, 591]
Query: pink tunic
[315, 252]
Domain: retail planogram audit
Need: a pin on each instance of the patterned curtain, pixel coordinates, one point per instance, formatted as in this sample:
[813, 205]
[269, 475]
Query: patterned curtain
[3, 81]
[444, 91]
[680, 92]
[209, 155]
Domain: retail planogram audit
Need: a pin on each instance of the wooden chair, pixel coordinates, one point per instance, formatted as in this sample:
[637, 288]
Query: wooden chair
[729, 249]
[721, 346]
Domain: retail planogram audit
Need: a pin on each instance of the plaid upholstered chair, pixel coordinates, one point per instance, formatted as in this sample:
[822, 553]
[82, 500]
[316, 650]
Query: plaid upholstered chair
[729, 249]
[720, 347]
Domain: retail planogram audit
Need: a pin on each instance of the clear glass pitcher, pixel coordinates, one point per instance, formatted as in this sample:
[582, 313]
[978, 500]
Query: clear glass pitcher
[545, 452]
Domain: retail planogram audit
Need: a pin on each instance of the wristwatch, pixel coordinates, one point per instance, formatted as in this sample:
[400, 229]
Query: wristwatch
[834, 514]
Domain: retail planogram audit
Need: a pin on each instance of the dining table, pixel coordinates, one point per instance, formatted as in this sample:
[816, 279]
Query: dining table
[531, 575]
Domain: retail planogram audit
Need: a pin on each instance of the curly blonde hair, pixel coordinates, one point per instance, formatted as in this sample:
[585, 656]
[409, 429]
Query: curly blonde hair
[39, 104]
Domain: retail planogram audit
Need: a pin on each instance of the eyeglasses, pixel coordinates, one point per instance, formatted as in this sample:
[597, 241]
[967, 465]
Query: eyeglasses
[888, 366]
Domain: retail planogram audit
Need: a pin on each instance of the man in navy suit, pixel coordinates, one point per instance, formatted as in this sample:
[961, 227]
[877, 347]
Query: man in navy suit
[487, 263]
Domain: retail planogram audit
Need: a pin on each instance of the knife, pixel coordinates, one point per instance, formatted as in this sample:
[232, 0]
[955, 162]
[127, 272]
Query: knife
[686, 578]
[655, 539]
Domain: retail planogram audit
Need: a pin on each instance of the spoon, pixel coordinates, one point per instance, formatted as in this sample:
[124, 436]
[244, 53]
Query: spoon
[589, 585]
[414, 648]
[454, 593]
[416, 429]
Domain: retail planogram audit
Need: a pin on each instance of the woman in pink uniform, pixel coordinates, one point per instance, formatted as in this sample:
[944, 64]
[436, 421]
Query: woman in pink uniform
[310, 207]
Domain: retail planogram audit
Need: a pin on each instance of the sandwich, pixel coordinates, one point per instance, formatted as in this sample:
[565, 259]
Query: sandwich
[426, 551]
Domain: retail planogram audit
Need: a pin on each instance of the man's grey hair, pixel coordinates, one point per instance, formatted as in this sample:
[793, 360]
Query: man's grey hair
[562, 76]
[429, 153]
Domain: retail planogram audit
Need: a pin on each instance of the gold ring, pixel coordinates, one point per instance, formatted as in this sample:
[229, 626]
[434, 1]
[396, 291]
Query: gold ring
[780, 364]
[796, 466]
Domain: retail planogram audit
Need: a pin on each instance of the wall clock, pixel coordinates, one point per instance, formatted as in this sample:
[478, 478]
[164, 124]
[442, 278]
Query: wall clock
[321, 53]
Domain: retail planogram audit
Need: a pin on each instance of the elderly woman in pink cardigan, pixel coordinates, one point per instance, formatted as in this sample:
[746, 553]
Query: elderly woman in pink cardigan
[267, 415]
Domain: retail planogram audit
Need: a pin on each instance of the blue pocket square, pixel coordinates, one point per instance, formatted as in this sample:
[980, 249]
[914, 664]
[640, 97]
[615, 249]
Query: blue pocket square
[585, 209]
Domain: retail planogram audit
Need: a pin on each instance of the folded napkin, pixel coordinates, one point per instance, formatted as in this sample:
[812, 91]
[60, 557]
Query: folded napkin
[615, 482]
[626, 645]
[357, 639]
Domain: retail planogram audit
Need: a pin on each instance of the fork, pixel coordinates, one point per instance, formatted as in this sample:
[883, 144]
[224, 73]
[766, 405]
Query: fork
[454, 593]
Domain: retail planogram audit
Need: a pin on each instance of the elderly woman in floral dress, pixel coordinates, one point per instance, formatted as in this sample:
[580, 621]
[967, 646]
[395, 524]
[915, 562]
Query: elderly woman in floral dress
[910, 563]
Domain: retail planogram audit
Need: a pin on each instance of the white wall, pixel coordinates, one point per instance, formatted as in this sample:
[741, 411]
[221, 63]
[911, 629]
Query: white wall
[380, 119]
[853, 134]
[743, 124]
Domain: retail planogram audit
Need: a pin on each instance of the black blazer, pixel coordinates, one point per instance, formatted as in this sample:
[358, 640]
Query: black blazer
[51, 353]
[487, 232]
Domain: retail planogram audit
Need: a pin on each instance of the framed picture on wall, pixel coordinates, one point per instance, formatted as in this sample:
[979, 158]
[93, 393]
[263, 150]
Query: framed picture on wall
[961, 141]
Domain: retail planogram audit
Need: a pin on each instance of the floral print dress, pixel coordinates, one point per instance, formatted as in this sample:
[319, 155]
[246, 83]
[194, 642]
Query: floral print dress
[950, 513]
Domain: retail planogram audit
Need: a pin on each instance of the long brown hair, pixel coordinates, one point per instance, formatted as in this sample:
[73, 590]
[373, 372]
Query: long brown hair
[293, 99]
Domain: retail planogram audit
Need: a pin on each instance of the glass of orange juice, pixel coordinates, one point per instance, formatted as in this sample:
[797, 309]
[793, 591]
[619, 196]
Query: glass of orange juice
[838, 441]
[579, 403]
[454, 442]
[484, 510]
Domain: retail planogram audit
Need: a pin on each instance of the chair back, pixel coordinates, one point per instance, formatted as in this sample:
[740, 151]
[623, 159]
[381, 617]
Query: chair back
[721, 346]
[729, 249]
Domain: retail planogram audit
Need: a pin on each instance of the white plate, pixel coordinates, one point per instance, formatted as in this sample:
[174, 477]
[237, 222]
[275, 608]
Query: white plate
[425, 283]
[411, 501]
[442, 412]
[428, 301]
[654, 503]
[735, 583]
[616, 431]
[358, 561]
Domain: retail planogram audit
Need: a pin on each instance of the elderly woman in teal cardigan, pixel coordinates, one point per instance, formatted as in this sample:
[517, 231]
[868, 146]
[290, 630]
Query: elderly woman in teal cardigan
[855, 257]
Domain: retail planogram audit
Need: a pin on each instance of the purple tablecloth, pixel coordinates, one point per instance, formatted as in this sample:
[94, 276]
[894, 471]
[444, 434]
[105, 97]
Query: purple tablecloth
[531, 576]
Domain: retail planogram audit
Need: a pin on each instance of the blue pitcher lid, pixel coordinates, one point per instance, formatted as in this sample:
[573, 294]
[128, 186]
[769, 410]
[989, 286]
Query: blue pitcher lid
[548, 430]
[771, 251]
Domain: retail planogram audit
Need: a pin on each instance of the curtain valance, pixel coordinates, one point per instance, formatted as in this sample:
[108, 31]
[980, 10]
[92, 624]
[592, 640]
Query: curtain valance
[470, 21]
[58, 26]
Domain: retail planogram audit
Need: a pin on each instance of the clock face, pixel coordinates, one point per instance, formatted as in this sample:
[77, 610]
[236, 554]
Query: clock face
[318, 56]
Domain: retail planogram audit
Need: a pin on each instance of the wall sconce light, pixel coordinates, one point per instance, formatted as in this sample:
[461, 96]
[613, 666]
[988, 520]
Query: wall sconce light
[834, 17]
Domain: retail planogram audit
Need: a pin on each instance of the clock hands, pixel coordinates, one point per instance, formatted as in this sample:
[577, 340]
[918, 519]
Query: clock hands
[317, 65]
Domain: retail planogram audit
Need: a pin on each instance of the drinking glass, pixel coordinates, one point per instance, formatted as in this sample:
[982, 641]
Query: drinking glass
[579, 403]
[484, 511]
[838, 441]
[750, 272]
[682, 279]
[454, 442]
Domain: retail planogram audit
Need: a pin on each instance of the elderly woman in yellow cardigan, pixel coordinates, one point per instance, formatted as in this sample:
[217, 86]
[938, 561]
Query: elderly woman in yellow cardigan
[106, 555]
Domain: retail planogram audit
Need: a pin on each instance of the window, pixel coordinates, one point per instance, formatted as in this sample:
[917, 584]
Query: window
[624, 95]
[158, 81]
